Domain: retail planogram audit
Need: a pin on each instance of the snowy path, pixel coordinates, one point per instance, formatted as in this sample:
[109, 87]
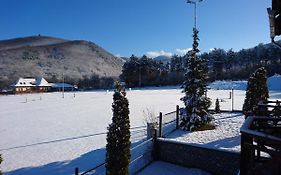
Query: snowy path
[163, 168]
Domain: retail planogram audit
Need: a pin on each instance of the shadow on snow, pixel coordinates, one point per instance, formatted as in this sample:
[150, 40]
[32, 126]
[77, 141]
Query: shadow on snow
[84, 162]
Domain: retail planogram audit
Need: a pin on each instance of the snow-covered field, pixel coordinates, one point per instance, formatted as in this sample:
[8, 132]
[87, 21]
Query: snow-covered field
[47, 134]
[51, 135]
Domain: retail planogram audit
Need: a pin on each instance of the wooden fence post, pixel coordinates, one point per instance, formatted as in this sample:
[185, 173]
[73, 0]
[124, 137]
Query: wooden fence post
[76, 171]
[154, 150]
[160, 124]
[177, 117]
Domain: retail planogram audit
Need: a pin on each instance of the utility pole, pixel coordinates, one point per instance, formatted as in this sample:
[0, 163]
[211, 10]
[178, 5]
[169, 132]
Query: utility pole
[232, 102]
[62, 85]
[194, 2]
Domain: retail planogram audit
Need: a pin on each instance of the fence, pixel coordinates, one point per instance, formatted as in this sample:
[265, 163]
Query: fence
[230, 100]
[141, 154]
[168, 122]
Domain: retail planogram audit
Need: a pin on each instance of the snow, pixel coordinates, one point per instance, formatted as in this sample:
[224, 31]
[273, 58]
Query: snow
[46, 134]
[225, 100]
[226, 136]
[274, 82]
[158, 167]
[228, 85]
[42, 82]
[25, 82]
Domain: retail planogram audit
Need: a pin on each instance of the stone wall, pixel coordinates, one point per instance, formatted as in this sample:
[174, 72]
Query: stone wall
[216, 162]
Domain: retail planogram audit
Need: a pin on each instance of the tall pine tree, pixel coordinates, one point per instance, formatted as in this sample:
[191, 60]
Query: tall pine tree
[256, 92]
[118, 135]
[195, 88]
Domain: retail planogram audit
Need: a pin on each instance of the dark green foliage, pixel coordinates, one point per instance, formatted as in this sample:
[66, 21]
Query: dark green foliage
[239, 65]
[144, 71]
[217, 107]
[223, 65]
[257, 91]
[95, 82]
[118, 135]
[195, 88]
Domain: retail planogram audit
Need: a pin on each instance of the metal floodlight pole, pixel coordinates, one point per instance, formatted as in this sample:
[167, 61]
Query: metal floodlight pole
[62, 84]
[62, 89]
[195, 10]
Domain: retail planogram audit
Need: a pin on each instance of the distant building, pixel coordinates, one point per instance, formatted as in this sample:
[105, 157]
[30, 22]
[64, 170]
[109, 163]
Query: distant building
[29, 85]
[24, 85]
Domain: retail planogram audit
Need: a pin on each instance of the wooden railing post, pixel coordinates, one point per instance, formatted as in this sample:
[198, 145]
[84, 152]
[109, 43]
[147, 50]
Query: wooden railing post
[177, 116]
[154, 150]
[76, 171]
[160, 124]
[247, 154]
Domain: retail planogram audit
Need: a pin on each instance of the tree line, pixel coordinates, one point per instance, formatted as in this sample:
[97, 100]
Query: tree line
[222, 65]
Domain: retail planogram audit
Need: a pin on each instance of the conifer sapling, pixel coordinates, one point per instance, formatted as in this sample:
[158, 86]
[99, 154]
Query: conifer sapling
[118, 135]
[217, 107]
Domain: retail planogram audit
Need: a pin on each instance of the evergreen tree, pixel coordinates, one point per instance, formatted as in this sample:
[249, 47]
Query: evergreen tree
[256, 92]
[217, 107]
[195, 88]
[131, 72]
[118, 135]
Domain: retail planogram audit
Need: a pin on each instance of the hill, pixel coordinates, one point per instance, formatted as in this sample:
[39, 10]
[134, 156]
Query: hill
[162, 58]
[51, 57]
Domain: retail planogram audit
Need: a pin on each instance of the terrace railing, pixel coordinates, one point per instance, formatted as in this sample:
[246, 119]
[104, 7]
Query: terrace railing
[168, 122]
[261, 142]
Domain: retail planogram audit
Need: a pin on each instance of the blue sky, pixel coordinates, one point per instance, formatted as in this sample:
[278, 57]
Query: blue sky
[125, 27]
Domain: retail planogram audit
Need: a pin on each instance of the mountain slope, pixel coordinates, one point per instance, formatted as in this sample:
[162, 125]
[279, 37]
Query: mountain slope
[29, 41]
[51, 57]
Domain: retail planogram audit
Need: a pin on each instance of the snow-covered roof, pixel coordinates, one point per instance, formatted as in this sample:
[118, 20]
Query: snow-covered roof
[42, 82]
[25, 82]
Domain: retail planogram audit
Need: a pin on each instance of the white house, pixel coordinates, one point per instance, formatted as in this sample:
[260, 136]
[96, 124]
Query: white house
[23, 85]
